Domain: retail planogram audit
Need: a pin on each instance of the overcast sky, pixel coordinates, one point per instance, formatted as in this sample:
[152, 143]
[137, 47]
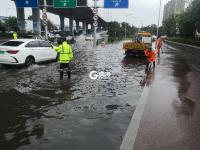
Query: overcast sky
[140, 12]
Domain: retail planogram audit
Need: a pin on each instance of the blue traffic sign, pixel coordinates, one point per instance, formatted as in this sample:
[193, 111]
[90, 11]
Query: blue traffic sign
[26, 3]
[115, 3]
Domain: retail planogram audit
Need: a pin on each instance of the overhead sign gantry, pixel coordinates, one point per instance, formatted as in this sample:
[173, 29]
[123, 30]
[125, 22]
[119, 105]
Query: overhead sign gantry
[27, 3]
[64, 3]
[115, 3]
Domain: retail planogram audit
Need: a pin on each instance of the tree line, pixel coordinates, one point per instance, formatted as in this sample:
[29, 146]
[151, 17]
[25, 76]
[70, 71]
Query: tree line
[10, 24]
[185, 25]
[116, 30]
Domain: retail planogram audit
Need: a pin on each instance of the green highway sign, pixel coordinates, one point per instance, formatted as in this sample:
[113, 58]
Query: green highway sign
[64, 3]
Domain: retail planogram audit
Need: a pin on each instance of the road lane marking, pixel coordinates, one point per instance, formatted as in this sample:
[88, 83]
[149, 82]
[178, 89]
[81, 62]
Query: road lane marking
[132, 130]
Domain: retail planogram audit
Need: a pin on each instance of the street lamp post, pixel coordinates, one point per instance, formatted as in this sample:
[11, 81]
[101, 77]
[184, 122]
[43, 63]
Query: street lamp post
[125, 30]
[159, 18]
[8, 18]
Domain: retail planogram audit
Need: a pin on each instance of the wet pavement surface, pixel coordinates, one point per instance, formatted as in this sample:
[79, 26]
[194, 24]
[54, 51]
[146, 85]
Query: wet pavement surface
[171, 118]
[38, 111]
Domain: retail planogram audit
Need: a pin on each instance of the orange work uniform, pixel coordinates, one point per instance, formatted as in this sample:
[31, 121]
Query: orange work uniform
[151, 55]
[159, 44]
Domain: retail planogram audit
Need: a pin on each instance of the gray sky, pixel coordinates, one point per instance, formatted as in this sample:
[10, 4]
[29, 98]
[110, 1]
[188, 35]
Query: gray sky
[140, 12]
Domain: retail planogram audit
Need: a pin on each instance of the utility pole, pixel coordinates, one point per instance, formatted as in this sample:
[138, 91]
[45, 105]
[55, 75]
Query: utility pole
[158, 19]
[125, 31]
[45, 19]
[125, 28]
[8, 18]
[94, 24]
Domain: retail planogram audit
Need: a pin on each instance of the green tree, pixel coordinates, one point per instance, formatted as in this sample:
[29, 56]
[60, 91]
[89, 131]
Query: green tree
[2, 27]
[150, 28]
[194, 9]
[116, 31]
[169, 26]
[11, 23]
[50, 24]
[186, 25]
[189, 21]
[161, 31]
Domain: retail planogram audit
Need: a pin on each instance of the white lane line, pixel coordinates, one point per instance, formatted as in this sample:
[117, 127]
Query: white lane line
[131, 133]
[184, 44]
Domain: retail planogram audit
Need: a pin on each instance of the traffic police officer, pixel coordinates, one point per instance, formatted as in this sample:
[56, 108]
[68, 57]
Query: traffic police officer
[14, 35]
[65, 56]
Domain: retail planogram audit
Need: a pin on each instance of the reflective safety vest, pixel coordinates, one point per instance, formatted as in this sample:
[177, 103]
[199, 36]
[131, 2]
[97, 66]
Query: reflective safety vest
[151, 55]
[65, 52]
[159, 43]
[14, 35]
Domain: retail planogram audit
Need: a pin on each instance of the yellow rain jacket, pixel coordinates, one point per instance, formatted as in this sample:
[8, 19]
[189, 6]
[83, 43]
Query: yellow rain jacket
[14, 35]
[65, 52]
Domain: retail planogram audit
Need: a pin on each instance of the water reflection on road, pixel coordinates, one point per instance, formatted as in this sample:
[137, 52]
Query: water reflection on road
[38, 111]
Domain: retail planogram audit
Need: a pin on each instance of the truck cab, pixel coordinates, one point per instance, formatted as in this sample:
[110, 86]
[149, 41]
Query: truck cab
[137, 46]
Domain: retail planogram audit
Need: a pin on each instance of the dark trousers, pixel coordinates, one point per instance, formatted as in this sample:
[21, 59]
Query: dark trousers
[148, 65]
[64, 67]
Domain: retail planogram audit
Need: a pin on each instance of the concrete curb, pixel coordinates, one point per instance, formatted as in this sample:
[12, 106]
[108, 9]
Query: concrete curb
[132, 130]
[181, 44]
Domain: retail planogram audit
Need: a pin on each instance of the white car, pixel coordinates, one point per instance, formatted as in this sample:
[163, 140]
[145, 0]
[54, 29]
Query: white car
[26, 51]
[89, 37]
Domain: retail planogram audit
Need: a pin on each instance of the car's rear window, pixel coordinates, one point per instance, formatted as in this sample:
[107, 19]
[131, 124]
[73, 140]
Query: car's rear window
[12, 43]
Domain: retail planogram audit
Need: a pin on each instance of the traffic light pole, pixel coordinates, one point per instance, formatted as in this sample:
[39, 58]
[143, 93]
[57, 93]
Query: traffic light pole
[46, 27]
[95, 28]
[158, 19]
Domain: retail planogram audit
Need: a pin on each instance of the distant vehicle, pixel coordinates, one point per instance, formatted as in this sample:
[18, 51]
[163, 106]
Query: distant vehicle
[89, 37]
[137, 46]
[71, 39]
[57, 35]
[26, 52]
[100, 37]
[50, 35]
[154, 38]
[164, 37]
[197, 34]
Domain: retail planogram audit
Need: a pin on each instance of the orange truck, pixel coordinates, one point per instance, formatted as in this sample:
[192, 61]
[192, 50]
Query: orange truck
[137, 46]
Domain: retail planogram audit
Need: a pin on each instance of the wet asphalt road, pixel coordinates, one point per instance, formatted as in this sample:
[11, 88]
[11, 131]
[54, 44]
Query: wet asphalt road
[171, 117]
[37, 111]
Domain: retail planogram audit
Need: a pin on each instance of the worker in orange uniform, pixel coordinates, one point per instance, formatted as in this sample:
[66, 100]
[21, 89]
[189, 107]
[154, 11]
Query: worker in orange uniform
[159, 44]
[151, 57]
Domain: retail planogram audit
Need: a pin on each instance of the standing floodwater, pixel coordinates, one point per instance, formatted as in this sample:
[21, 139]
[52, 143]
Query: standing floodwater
[38, 111]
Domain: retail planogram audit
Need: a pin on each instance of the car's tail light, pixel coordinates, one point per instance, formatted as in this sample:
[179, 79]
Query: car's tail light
[13, 52]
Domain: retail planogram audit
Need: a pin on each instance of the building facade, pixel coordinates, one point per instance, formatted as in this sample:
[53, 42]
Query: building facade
[175, 7]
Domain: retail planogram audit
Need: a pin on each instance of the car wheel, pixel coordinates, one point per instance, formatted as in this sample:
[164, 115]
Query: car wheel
[29, 61]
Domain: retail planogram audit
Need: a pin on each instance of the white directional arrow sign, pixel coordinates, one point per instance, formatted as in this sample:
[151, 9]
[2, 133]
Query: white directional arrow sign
[27, 2]
[116, 4]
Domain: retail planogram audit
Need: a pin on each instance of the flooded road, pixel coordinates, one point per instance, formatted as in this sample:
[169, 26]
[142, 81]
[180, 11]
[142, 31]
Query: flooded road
[38, 111]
